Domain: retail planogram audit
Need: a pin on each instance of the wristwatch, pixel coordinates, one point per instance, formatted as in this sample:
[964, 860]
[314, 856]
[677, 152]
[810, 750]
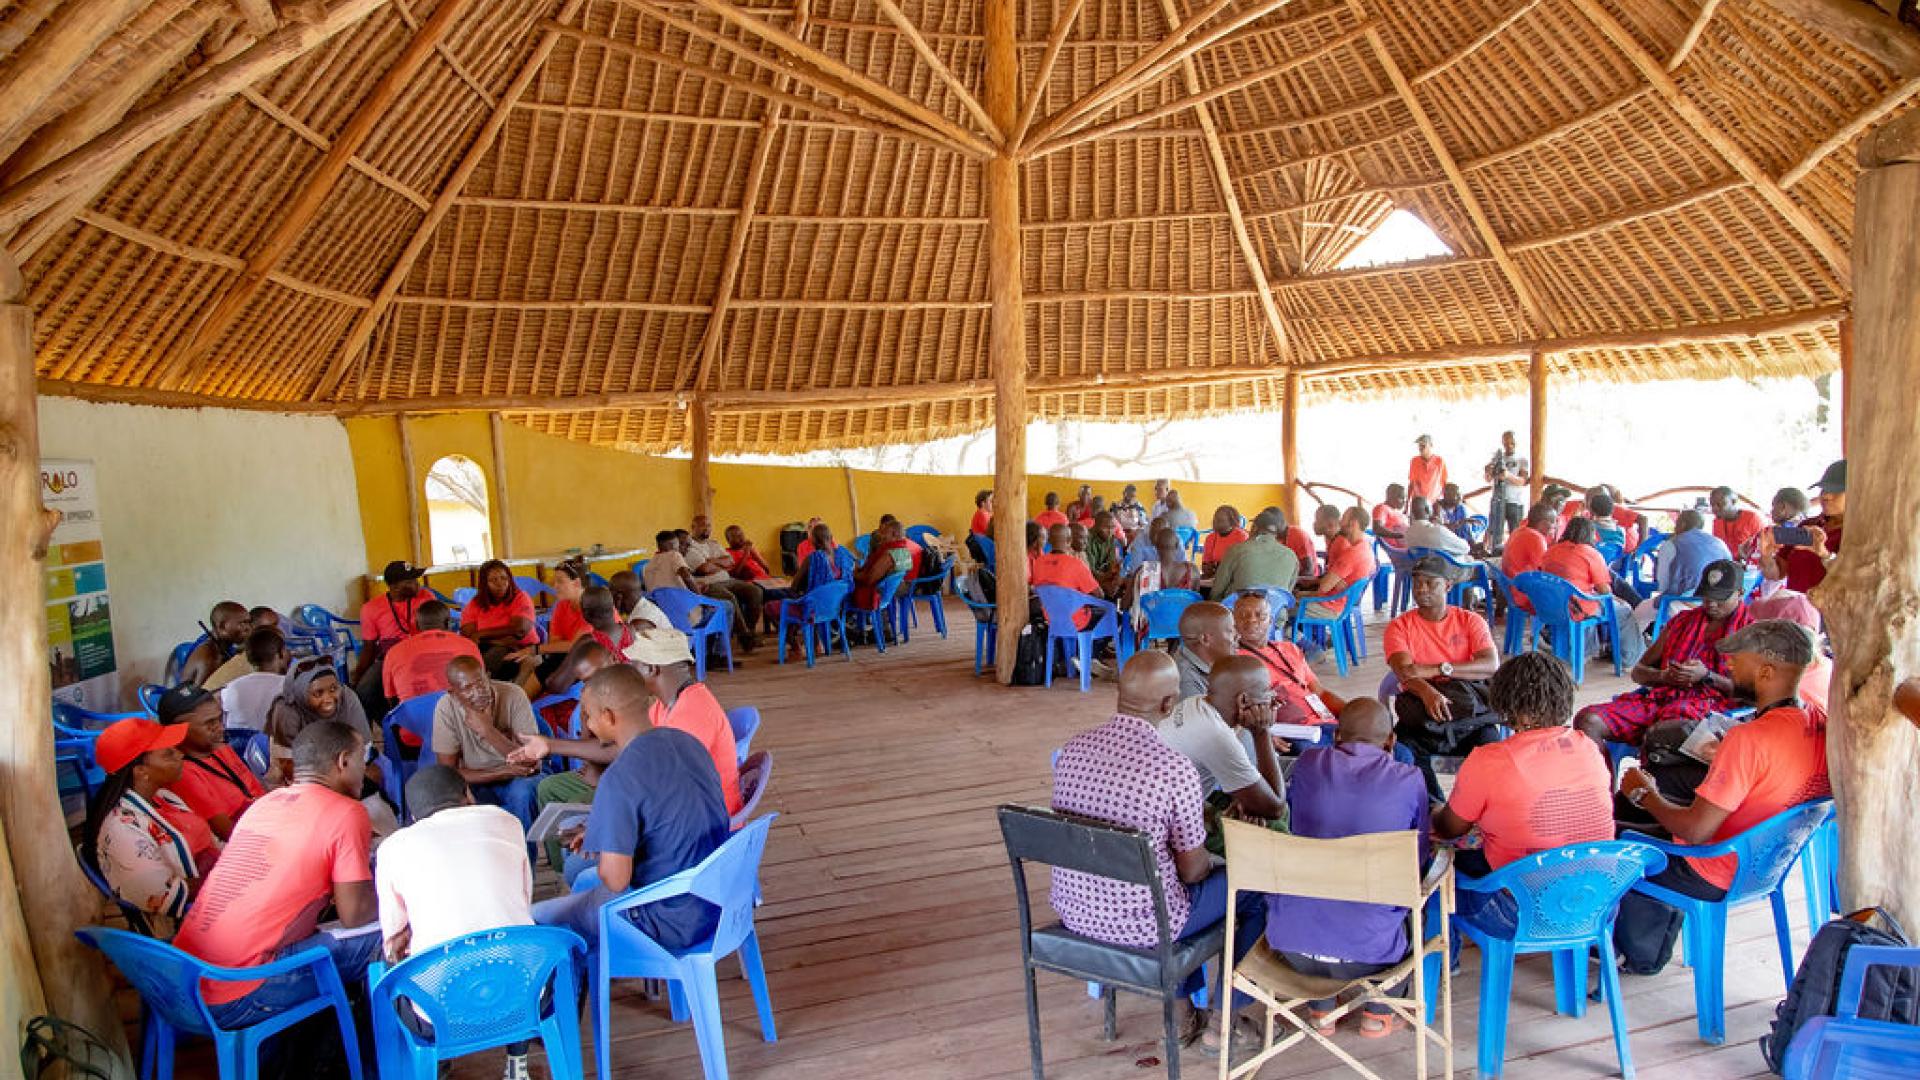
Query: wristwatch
[1446, 670]
[1639, 796]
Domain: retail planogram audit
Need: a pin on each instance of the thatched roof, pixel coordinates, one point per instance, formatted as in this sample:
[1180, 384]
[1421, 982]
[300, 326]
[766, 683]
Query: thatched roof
[582, 212]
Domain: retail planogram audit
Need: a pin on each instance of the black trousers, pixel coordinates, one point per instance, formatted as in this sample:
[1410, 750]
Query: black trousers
[1646, 929]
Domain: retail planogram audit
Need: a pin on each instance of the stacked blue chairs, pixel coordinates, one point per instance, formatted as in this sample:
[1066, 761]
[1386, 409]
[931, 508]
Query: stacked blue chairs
[517, 983]
[930, 590]
[744, 721]
[1515, 639]
[1552, 599]
[1163, 608]
[986, 632]
[177, 659]
[74, 730]
[1565, 901]
[1061, 604]
[169, 984]
[413, 715]
[1663, 609]
[756, 771]
[921, 534]
[314, 620]
[1766, 852]
[1343, 631]
[1279, 602]
[817, 615]
[1846, 1047]
[682, 608]
[729, 880]
[881, 619]
[1638, 567]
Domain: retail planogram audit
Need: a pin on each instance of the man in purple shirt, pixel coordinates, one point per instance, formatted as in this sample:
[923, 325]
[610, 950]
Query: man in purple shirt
[1352, 789]
[1121, 773]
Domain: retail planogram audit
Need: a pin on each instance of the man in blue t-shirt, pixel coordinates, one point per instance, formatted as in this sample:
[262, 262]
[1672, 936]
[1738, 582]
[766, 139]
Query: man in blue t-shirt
[658, 811]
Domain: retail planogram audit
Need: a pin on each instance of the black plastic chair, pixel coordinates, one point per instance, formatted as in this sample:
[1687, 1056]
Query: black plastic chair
[1071, 842]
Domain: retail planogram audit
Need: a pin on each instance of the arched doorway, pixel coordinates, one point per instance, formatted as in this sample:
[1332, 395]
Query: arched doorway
[459, 522]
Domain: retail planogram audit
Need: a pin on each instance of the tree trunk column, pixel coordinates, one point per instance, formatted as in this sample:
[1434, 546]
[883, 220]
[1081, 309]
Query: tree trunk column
[54, 898]
[1290, 451]
[1872, 596]
[1537, 422]
[700, 419]
[1007, 340]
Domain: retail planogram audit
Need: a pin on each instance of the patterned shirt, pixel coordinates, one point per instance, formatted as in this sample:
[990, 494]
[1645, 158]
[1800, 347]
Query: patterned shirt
[1121, 773]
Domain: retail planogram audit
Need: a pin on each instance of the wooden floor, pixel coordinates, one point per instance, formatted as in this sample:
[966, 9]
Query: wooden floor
[889, 929]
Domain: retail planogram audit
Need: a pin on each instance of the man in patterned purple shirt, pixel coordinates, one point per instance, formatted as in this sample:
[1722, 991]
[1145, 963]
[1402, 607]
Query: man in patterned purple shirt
[1121, 773]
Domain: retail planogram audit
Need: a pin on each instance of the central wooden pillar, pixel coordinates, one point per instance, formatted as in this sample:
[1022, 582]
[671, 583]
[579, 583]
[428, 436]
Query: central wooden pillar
[700, 420]
[54, 899]
[1537, 422]
[1007, 339]
[1871, 597]
[1290, 451]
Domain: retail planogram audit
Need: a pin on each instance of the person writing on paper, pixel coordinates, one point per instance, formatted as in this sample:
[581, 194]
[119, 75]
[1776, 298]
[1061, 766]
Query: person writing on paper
[1352, 789]
[659, 810]
[460, 869]
[1776, 760]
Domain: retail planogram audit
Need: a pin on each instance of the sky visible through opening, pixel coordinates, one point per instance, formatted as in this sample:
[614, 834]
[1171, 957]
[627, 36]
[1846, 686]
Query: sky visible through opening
[1401, 238]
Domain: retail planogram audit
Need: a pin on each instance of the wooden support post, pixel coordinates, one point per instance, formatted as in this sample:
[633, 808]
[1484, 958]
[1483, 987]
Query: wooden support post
[1846, 381]
[61, 975]
[1290, 450]
[700, 442]
[1537, 422]
[416, 547]
[853, 503]
[1872, 593]
[502, 496]
[1006, 340]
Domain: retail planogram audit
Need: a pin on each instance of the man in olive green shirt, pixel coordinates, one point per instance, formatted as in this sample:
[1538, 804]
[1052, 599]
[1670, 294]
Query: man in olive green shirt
[1261, 561]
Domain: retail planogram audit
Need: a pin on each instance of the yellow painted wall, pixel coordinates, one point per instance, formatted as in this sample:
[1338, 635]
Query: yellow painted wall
[567, 495]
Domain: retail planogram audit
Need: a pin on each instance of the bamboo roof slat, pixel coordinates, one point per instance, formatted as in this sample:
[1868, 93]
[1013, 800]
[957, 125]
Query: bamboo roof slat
[590, 213]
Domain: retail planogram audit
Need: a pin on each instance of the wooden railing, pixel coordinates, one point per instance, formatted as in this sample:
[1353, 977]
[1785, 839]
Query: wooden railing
[1645, 503]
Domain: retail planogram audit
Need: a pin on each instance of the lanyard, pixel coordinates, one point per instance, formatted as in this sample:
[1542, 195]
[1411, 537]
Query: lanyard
[219, 768]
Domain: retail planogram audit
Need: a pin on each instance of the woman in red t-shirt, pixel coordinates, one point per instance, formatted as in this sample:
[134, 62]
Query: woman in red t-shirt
[500, 621]
[566, 625]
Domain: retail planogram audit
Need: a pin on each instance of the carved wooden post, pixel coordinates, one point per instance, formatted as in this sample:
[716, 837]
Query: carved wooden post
[1872, 596]
[1007, 340]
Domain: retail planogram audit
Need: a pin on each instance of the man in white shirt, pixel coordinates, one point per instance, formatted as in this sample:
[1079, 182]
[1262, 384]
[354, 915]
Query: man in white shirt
[712, 567]
[1225, 734]
[1424, 532]
[247, 698]
[460, 869]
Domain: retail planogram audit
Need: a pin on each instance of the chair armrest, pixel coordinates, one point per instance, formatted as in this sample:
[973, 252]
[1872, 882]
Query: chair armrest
[666, 888]
[1595, 597]
[315, 957]
[1724, 847]
[1438, 873]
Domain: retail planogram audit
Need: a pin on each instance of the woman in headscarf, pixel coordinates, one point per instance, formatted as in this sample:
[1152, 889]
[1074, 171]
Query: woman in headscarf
[149, 847]
[311, 693]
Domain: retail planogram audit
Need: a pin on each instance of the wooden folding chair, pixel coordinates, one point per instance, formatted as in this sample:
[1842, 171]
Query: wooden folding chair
[1376, 868]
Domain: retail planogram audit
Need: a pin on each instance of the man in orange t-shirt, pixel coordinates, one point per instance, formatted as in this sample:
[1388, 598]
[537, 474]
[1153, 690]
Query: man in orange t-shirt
[1052, 515]
[1442, 656]
[1390, 517]
[1063, 568]
[417, 665]
[1734, 527]
[1426, 473]
[1770, 763]
[1575, 560]
[1349, 562]
[1527, 548]
[1543, 788]
[982, 524]
[1222, 538]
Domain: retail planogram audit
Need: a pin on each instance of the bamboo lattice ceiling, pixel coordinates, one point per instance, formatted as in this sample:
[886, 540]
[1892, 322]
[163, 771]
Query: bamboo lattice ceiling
[582, 212]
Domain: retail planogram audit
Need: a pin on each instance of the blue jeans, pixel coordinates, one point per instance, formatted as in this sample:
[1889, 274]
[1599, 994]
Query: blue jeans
[578, 912]
[282, 992]
[515, 796]
[1209, 908]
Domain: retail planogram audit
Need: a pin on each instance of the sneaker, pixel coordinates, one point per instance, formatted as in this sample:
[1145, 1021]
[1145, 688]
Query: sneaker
[516, 1068]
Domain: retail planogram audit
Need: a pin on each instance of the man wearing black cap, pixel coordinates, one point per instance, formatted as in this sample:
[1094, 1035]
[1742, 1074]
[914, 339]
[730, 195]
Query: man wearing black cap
[1681, 676]
[1804, 566]
[214, 782]
[384, 622]
[1774, 761]
[1443, 657]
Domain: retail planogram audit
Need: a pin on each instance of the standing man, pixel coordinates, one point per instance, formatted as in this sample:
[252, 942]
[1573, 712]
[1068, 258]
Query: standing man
[1427, 472]
[712, 567]
[1510, 473]
[476, 727]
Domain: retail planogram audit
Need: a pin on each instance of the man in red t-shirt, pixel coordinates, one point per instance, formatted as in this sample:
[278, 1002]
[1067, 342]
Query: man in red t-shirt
[1390, 517]
[1734, 527]
[982, 524]
[214, 782]
[297, 850]
[1426, 473]
[417, 665]
[385, 621]
[1442, 656]
[1349, 562]
[1527, 548]
[1298, 697]
[1774, 761]
[1051, 516]
[1222, 538]
[1062, 567]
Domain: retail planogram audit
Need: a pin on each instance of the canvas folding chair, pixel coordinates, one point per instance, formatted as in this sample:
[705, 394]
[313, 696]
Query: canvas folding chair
[1376, 868]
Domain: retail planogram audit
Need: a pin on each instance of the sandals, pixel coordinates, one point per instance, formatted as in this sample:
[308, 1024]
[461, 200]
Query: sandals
[1321, 1024]
[1379, 1025]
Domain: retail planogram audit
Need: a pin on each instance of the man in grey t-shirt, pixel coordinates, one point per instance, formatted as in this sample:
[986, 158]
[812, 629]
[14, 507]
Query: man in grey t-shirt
[1509, 473]
[476, 726]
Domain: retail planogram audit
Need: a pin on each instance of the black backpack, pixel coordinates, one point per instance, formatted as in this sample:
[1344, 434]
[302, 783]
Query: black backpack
[1887, 994]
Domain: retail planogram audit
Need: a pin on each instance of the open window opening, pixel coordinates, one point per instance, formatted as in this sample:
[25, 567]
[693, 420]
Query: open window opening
[1402, 237]
[459, 522]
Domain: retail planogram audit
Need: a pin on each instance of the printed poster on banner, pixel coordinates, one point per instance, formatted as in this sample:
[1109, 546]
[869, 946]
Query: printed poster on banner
[79, 616]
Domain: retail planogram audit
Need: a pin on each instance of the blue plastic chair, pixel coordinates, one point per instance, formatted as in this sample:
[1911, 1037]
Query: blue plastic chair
[880, 619]
[149, 696]
[1552, 599]
[258, 753]
[464, 595]
[1163, 608]
[177, 659]
[1514, 639]
[863, 544]
[316, 621]
[986, 632]
[920, 534]
[986, 547]
[822, 609]
[680, 606]
[476, 993]
[756, 772]
[414, 715]
[729, 880]
[1061, 604]
[74, 730]
[1638, 567]
[1663, 606]
[1766, 852]
[1344, 635]
[744, 721]
[135, 917]
[169, 984]
[1189, 539]
[536, 589]
[1565, 902]
[1476, 526]
[1612, 552]
[1844, 1046]
[1279, 602]
[929, 589]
